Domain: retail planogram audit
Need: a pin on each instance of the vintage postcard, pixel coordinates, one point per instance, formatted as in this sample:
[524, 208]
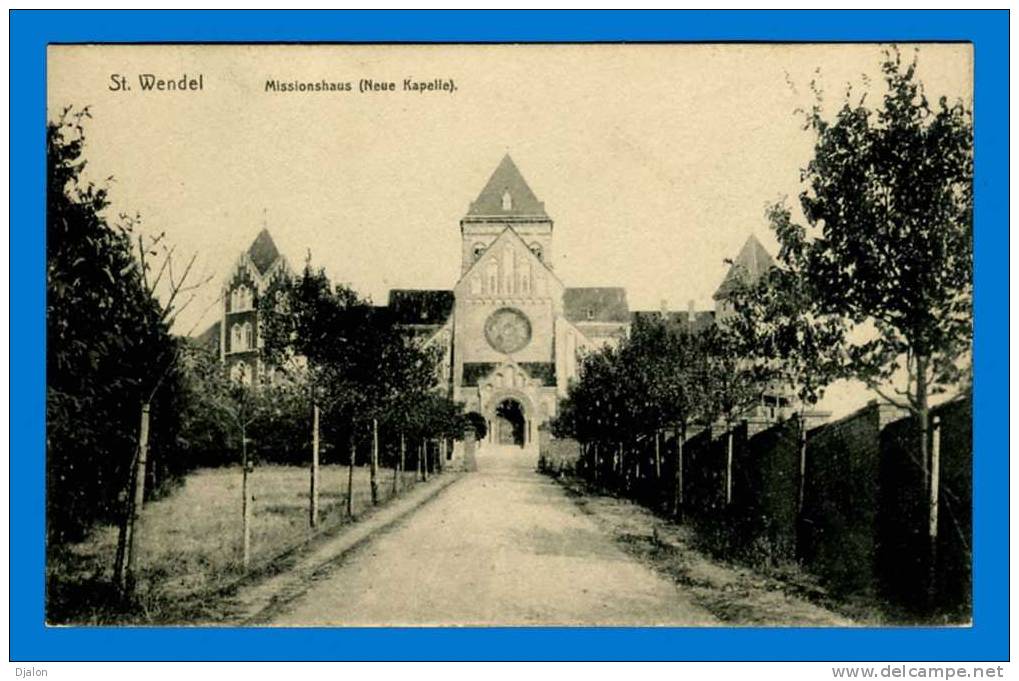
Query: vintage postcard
[509, 335]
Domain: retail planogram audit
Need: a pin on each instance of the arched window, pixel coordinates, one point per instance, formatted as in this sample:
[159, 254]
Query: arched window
[507, 200]
[240, 337]
[536, 249]
[479, 248]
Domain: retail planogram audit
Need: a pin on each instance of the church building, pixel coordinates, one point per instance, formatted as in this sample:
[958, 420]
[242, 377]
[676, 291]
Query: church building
[510, 331]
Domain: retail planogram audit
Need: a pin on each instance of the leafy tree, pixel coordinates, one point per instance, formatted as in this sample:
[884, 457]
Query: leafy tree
[206, 437]
[307, 323]
[730, 384]
[783, 333]
[595, 409]
[673, 360]
[888, 197]
[779, 327]
[478, 424]
[108, 347]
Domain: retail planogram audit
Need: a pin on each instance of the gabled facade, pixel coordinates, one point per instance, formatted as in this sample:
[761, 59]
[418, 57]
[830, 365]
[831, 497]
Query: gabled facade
[513, 332]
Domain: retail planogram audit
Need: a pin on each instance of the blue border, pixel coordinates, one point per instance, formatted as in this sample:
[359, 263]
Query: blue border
[29, 640]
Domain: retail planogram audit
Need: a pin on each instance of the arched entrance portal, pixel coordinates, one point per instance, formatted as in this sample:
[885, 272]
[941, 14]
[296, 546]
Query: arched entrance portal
[510, 423]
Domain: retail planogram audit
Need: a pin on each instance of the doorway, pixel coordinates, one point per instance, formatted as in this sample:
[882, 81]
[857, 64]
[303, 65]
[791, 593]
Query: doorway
[510, 423]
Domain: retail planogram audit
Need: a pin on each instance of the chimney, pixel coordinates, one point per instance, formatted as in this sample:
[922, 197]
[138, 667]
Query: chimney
[691, 316]
[665, 308]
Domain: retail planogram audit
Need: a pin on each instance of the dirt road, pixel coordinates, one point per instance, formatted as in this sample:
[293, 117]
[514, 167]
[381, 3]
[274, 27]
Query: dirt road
[503, 546]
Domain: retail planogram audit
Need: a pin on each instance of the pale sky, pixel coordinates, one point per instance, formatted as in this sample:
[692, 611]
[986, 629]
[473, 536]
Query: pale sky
[655, 161]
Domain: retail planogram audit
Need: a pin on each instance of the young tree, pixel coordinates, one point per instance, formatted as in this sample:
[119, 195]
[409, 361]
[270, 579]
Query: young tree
[310, 325]
[730, 385]
[888, 197]
[592, 411]
[780, 329]
[404, 375]
[673, 359]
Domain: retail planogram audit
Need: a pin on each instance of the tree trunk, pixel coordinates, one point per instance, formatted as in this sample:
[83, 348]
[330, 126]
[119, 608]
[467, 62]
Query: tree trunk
[374, 465]
[441, 460]
[930, 477]
[803, 462]
[638, 455]
[350, 478]
[126, 570]
[245, 503]
[419, 463]
[424, 460]
[728, 463]
[615, 465]
[125, 527]
[932, 529]
[677, 501]
[398, 468]
[594, 457]
[658, 455]
[313, 492]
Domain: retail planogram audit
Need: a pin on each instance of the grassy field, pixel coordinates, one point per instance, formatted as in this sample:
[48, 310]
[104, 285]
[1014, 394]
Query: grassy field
[189, 543]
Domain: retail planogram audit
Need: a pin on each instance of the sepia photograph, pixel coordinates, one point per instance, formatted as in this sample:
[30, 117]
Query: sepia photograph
[509, 335]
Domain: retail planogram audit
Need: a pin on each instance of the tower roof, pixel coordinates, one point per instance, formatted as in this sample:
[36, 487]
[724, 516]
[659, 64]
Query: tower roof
[263, 251]
[751, 263]
[507, 195]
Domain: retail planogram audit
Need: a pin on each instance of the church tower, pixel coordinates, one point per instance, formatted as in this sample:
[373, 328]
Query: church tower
[752, 263]
[507, 306]
[505, 201]
[255, 270]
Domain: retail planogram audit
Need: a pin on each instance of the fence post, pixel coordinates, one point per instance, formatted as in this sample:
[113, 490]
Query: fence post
[313, 493]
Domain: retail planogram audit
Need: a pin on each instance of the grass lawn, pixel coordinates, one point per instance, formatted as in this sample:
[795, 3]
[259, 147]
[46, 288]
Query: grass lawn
[189, 543]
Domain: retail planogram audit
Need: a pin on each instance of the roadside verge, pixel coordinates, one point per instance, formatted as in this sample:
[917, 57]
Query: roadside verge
[254, 601]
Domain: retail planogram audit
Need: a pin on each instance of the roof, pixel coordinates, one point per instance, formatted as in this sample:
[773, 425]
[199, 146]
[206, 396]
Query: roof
[208, 338]
[420, 306]
[702, 319]
[596, 304]
[751, 263]
[507, 180]
[263, 251]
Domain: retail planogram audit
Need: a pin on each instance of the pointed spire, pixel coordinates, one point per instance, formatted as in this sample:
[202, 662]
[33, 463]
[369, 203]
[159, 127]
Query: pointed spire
[752, 262]
[263, 251]
[506, 194]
